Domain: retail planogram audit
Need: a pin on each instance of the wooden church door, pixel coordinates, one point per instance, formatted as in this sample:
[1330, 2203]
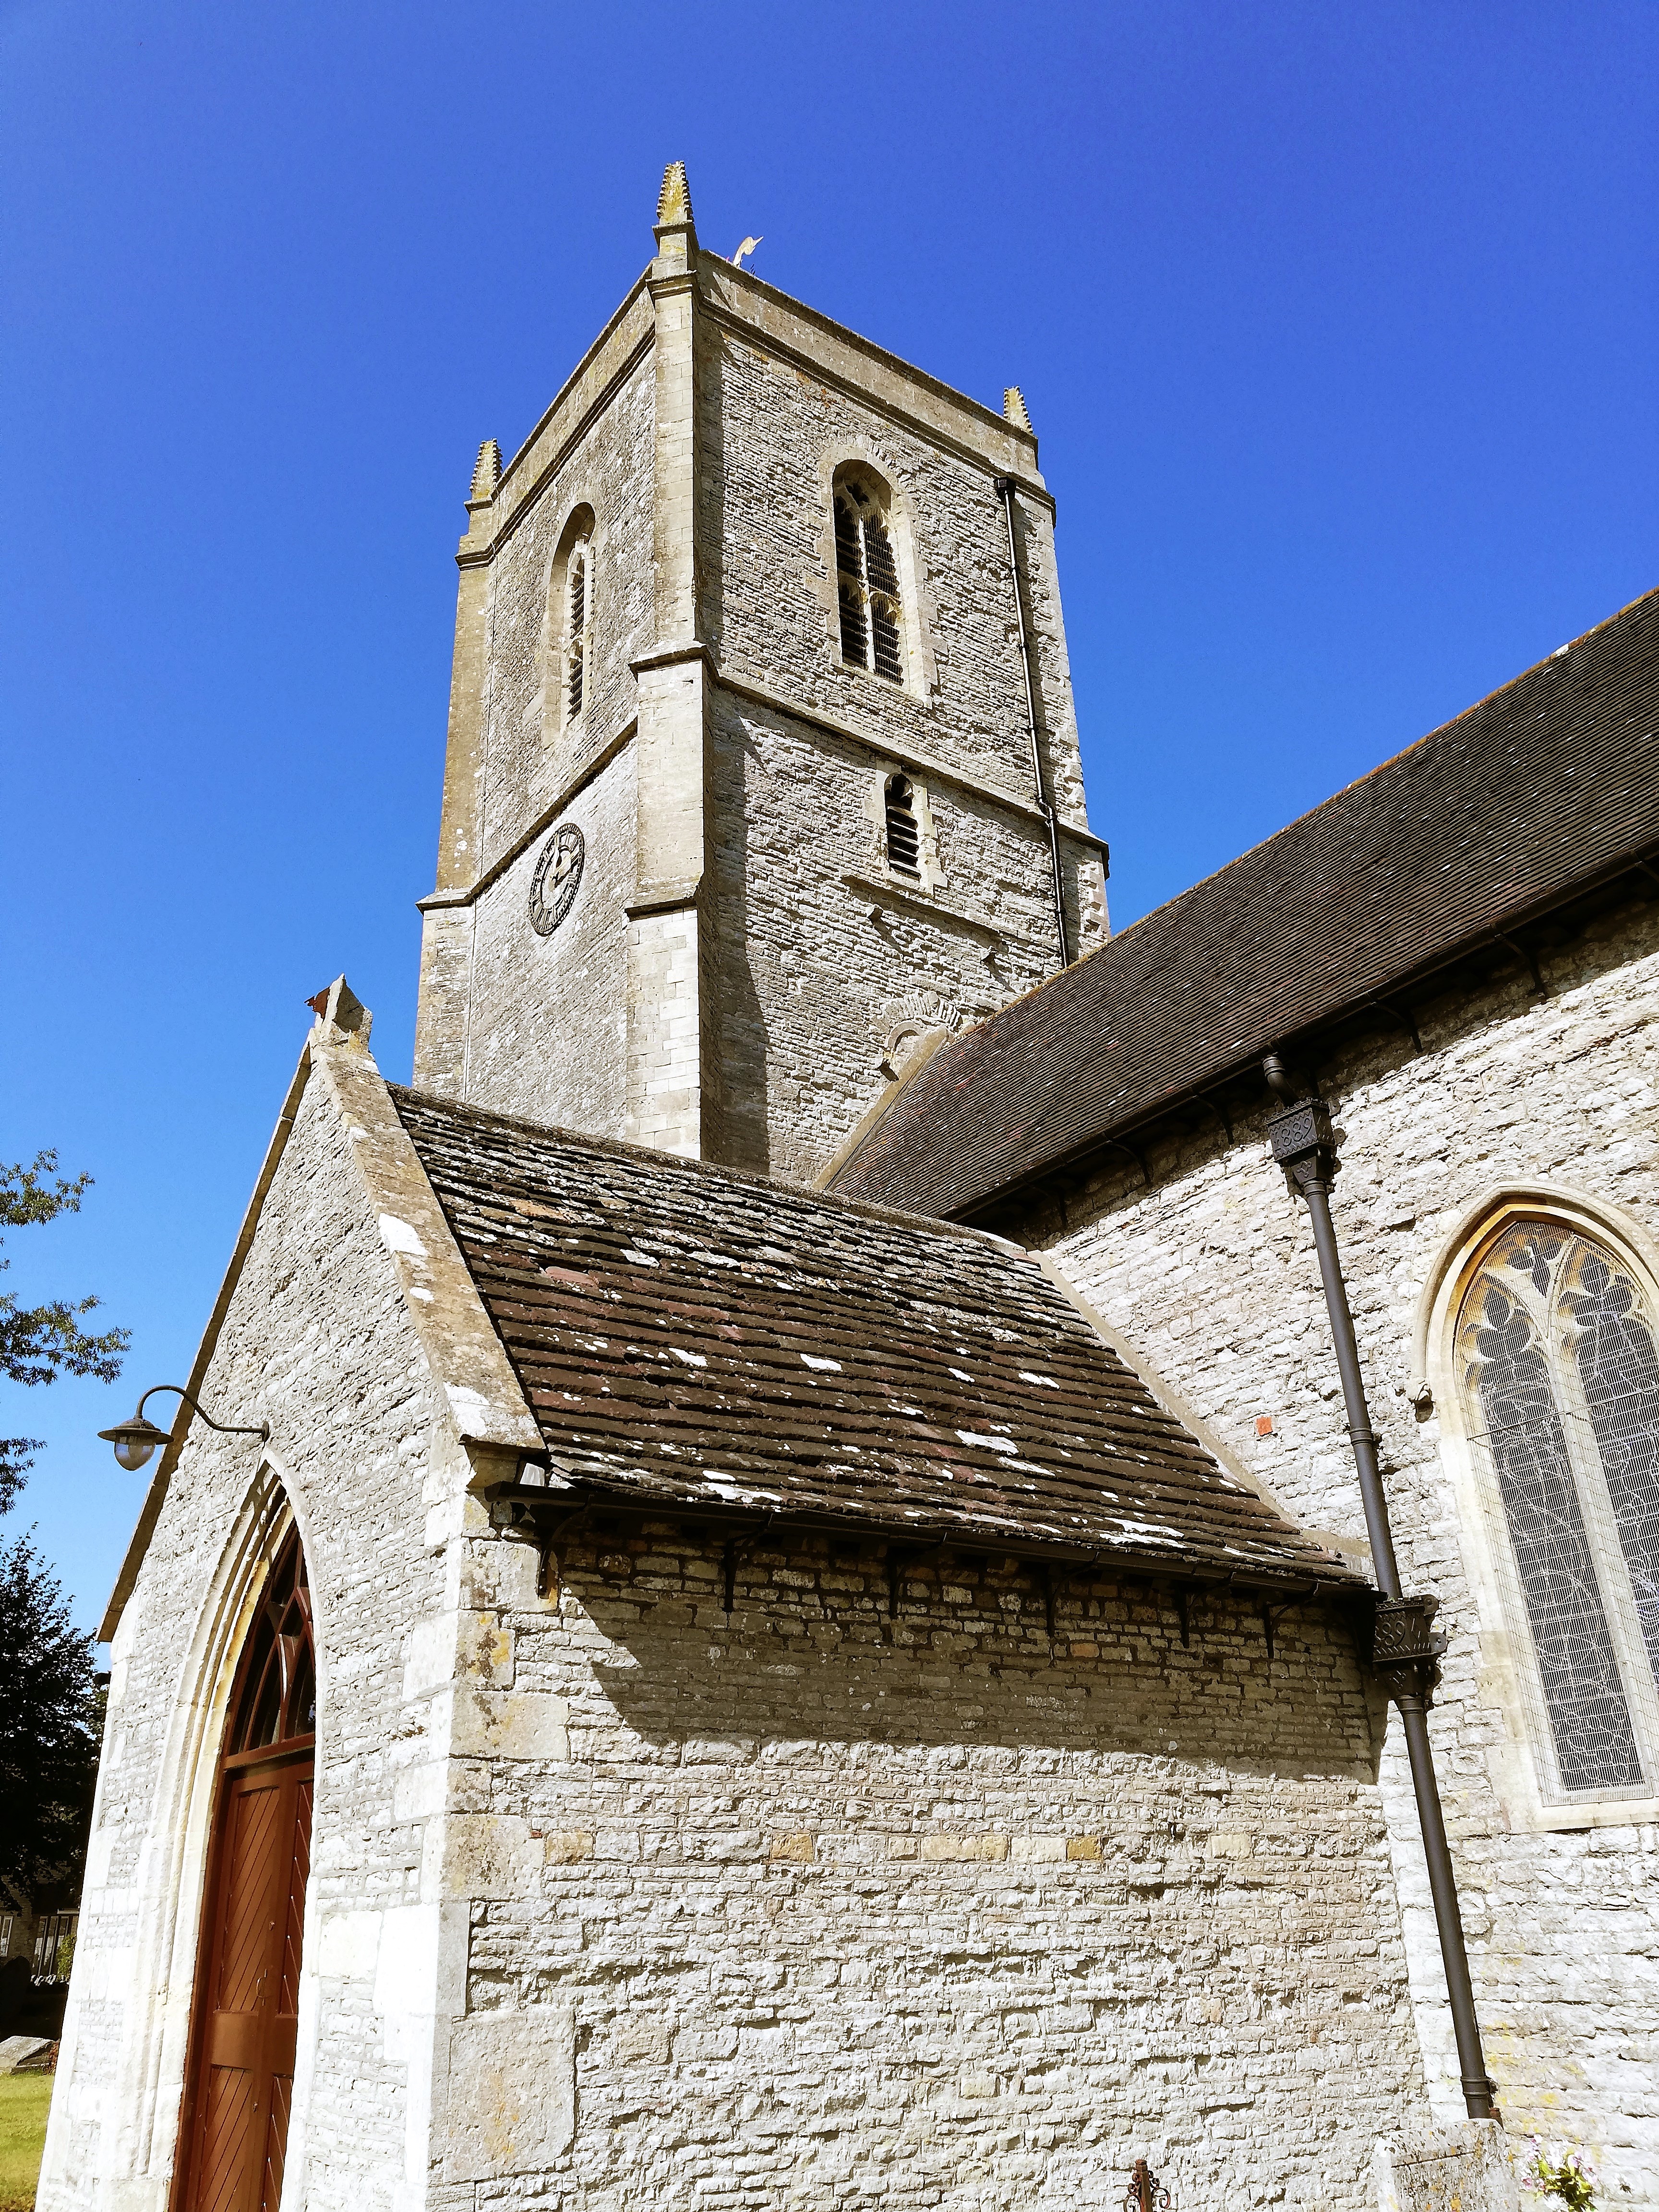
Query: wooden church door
[245, 2016]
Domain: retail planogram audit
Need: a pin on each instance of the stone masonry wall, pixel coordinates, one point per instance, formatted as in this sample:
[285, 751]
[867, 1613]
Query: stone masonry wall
[772, 434]
[528, 758]
[546, 1019]
[811, 988]
[813, 985]
[813, 981]
[930, 1910]
[1212, 1277]
[316, 1342]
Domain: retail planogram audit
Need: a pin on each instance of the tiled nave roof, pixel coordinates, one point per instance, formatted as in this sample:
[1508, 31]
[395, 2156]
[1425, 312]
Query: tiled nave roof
[1549, 785]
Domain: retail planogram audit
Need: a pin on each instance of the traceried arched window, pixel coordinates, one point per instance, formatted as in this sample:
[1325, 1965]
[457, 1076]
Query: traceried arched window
[277, 1699]
[867, 575]
[1557, 1363]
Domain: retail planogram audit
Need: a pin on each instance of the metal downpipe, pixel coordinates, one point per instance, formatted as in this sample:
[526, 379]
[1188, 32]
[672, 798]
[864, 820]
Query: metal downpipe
[1304, 1145]
[1005, 492]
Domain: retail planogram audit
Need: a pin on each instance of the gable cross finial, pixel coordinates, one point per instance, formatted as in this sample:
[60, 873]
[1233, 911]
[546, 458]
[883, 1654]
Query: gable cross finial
[1014, 408]
[674, 200]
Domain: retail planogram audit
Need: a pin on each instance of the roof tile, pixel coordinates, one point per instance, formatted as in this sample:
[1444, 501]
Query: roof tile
[1549, 784]
[692, 1335]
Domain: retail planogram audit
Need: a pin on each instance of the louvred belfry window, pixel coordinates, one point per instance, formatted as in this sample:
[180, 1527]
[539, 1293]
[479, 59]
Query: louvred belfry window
[1557, 1360]
[904, 831]
[866, 580]
[576, 650]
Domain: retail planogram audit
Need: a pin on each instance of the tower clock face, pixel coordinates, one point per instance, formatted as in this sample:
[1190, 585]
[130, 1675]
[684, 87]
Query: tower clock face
[558, 877]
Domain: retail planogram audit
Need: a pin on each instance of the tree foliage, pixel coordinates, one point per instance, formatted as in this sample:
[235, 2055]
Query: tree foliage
[50, 1726]
[40, 1343]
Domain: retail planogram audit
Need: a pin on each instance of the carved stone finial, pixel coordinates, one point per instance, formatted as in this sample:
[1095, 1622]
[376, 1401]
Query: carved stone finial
[342, 1016]
[674, 200]
[486, 470]
[1013, 408]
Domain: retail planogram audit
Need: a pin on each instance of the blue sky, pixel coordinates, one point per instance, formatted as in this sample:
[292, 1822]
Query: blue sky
[1337, 325]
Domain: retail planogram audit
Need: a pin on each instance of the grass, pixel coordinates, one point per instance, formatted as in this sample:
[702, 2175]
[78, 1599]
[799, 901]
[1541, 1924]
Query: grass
[25, 2100]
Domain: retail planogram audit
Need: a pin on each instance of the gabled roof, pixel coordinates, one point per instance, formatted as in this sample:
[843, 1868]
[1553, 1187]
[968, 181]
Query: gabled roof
[1549, 785]
[462, 1351]
[688, 1335]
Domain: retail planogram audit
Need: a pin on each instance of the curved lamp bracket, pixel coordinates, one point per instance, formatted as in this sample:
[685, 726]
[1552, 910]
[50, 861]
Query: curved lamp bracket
[136, 1440]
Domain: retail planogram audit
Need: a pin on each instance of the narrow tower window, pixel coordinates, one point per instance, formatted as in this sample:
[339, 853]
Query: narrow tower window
[575, 650]
[564, 655]
[866, 578]
[904, 832]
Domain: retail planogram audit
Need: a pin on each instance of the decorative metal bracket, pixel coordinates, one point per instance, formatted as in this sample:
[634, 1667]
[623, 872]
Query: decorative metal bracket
[897, 1556]
[1405, 1649]
[1305, 1144]
[737, 1548]
[1145, 2192]
[1272, 1615]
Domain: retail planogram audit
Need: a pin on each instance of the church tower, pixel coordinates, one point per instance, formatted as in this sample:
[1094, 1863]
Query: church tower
[763, 766]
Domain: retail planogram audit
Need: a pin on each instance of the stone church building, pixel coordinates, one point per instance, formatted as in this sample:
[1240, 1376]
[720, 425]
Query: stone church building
[800, 1632]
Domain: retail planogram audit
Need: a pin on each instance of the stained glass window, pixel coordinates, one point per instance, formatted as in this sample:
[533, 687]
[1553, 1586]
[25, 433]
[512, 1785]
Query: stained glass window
[1557, 1362]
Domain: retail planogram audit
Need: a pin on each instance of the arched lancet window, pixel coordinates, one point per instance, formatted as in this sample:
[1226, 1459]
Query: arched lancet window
[1557, 1363]
[571, 613]
[903, 831]
[867, 575]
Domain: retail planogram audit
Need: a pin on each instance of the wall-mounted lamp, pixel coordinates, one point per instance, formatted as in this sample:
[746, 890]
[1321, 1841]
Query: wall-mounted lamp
[1145, 2192]
[135, 1441]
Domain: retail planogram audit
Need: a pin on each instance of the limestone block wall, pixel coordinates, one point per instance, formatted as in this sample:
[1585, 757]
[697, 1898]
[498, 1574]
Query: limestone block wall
[667, 971]
[816, 973]
[772, 434]
[790, 1032]
[545, 1017]
[828, 1907]
[528, 757]
[1211, 1276]
[317, 1342]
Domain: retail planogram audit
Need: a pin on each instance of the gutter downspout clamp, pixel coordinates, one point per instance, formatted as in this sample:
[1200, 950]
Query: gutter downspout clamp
[1404, 1649]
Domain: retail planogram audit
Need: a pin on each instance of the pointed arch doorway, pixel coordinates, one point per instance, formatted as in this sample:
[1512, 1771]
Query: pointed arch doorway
[244, 2019]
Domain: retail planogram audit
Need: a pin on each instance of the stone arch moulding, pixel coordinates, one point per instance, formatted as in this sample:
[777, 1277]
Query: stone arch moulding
[920, 675]
[1503, 1670]
[1442, 1282]
[155, 2035]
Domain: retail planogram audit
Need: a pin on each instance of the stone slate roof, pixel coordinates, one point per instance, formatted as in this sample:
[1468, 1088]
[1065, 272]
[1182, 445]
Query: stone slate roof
[687, 1335]
[1549, 785]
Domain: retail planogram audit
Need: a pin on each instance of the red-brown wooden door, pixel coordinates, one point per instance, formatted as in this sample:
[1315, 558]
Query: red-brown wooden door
[245, 2017]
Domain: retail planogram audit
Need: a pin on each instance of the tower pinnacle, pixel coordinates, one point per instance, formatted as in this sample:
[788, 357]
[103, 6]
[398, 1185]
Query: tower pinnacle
[674, 200]
[486, 470]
